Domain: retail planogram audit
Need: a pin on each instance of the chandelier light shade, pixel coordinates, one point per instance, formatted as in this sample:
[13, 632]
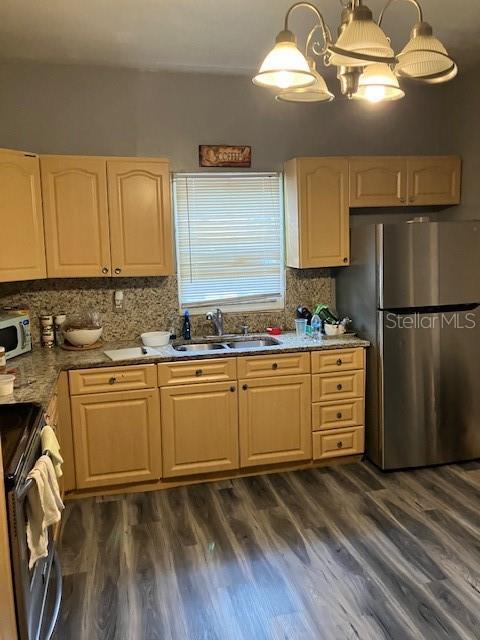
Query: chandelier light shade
[367, 67]
[378, 83]
[285, 66]
[361, 37]
[316, 92]
[425, 57]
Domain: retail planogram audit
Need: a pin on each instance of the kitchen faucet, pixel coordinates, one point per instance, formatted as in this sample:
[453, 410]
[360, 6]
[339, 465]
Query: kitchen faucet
[216, 318]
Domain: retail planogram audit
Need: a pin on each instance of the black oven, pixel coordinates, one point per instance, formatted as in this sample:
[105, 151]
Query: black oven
[37, 591]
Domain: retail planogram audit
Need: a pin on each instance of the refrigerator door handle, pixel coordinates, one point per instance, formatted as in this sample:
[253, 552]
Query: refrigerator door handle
[446, 308]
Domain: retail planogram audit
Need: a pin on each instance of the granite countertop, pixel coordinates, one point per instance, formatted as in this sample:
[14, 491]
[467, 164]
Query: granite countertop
[37, 372]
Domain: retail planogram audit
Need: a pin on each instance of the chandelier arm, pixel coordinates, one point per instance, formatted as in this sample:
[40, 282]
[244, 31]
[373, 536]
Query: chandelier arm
[414, 2]
[315, 45]
[323, 26]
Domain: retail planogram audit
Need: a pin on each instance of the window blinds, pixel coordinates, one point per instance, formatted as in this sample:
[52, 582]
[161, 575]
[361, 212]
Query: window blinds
[229, 235]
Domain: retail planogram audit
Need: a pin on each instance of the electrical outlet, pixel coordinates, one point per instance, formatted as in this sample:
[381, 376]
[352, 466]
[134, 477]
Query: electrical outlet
[118, 301]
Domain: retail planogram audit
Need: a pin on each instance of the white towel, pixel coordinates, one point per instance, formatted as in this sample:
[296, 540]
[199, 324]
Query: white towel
[43, 507]
[50, 445]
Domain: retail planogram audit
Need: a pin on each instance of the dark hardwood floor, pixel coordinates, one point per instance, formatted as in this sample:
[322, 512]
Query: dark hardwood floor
[336, 553]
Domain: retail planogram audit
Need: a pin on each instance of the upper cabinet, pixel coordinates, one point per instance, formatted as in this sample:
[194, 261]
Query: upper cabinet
[404, 181]
[140, 217]
[76, 216]
[434, 180]
[316, 212]
[319, 192]
[378, 182]
[107, 216]
[22, 256]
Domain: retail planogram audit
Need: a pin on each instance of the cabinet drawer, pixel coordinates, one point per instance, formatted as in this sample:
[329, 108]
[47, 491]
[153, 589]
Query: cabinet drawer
[268, 366]
[336, 415]
[215, 370]
[112, 379]
[339, 442]
[337, 360]
[340, 386]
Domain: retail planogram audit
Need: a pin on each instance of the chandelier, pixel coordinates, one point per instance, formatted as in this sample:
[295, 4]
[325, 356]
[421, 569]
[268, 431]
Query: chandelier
[367, 67]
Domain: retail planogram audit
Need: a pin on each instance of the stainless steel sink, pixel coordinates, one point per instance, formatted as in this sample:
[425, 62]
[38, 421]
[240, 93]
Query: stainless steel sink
[254, 342]
[199, 346]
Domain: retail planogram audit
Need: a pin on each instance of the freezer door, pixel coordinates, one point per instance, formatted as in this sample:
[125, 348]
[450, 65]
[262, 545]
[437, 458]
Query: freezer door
[430, 374]
[428, 264]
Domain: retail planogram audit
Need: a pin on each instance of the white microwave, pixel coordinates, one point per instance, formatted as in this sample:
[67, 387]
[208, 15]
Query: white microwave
[15, 333]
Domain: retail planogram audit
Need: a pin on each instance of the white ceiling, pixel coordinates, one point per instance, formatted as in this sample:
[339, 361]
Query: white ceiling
[228, 36]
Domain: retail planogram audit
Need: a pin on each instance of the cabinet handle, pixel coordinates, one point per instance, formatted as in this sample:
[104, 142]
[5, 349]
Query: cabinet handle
[339, 387]
[274, 365]
[112, 380]
[411, 199]
[345, 260]
[339, 444]
[339, 362]
[402, 199]
[339, 416]
[117, 270]
[232, 389]
[245, 387]
[105, 270]
[199, 372]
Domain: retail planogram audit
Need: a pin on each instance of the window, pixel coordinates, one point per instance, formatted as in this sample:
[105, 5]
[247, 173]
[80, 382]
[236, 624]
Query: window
[229, 235]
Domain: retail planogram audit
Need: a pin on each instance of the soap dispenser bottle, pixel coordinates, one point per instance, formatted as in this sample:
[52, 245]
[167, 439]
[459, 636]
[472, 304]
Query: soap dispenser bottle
[186, 328]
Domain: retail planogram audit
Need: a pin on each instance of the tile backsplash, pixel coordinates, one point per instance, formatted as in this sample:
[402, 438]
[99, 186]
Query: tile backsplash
[152, 303]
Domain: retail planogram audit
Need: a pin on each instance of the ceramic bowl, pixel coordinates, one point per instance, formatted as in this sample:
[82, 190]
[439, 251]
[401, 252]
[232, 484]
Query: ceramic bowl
[155, 338]
[82, 337]
[334, 329]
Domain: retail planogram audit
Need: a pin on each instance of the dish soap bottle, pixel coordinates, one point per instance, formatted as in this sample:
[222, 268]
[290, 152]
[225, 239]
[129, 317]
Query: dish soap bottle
[316, 325]
[186, 328]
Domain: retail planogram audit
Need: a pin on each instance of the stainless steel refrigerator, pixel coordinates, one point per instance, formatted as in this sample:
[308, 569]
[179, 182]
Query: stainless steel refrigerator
[413, 290]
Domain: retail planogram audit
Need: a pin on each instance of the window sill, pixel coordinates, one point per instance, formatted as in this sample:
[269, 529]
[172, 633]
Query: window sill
[236, 308]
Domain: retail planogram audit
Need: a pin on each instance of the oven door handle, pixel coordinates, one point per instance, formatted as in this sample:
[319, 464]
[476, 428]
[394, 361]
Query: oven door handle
[58, 596]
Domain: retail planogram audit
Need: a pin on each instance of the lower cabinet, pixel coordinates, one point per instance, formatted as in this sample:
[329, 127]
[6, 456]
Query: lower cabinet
[338, 409]
[275, 420]
[199, 428]
[117, 438]
[203, 419]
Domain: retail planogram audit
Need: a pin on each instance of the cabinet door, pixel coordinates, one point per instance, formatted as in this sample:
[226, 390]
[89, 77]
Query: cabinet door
[116, 438]
[275, 420]
[199, 428]
[317, 213]
[140, 217]
[22, 255]
[76, 216]
[434, 180]
[378, 182]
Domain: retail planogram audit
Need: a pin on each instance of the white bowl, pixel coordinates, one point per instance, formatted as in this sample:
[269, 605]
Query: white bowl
[155, 338]
[82, 337]
[334, 329]
[6, 384]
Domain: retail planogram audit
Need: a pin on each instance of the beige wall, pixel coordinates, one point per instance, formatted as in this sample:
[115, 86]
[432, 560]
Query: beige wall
[94, 110]
[463, 122]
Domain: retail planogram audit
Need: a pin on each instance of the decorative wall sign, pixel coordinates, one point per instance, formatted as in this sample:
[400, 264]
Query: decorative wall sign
[222, 155]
